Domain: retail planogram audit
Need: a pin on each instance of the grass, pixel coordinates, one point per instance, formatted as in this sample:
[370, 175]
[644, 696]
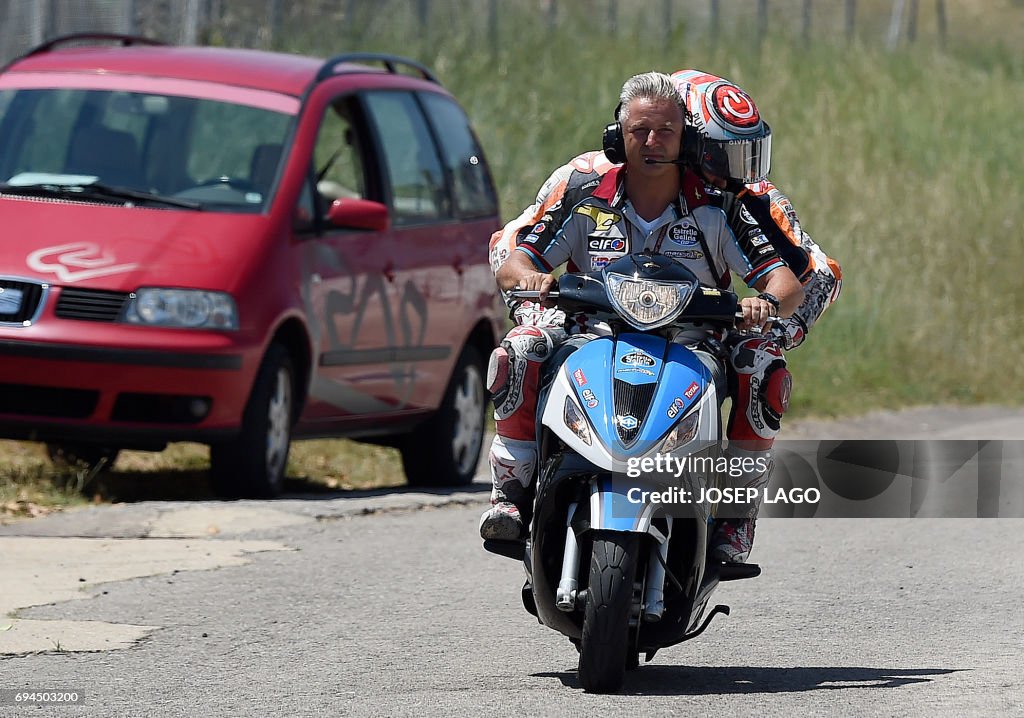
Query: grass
[902, 166]
[31, 485]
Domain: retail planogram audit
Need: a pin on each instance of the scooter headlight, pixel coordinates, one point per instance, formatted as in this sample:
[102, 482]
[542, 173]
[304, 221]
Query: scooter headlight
[576, 421]
[645, 303]
[682, 433]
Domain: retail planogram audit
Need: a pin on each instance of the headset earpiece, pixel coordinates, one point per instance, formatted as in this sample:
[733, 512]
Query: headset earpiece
[692, 146]
[612, 143]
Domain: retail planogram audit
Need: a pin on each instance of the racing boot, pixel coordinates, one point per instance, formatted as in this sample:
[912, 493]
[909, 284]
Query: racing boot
[513, 462]
[734, 537]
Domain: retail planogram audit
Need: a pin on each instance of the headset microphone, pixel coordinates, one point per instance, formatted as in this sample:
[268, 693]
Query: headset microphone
[652, 161]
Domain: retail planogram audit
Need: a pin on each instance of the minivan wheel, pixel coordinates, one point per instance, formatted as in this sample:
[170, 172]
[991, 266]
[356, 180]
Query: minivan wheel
[445, 449]
[253, 464]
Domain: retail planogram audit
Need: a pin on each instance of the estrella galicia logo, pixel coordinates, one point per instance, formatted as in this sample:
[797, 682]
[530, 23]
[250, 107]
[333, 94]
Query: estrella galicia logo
[638, 358]
[684, 234]
[607, 244]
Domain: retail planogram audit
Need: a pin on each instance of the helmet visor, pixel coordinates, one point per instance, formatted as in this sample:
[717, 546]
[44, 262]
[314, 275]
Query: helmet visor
[747, 161]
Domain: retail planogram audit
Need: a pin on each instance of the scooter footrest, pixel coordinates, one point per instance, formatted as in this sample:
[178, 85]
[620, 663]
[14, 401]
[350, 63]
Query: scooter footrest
[738, 571]
[515, 550]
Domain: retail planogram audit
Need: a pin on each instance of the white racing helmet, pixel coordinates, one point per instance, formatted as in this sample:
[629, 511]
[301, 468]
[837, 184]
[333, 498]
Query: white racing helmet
[732, 141]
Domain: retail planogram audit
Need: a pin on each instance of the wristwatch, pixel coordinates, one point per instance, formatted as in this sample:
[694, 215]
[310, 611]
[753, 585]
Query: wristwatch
[771, 299]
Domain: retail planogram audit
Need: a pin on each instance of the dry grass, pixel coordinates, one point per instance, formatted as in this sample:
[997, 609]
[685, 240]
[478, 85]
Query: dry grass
[30, 485]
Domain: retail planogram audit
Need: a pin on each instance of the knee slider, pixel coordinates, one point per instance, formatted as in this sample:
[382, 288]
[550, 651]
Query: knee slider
[775, 392]
[498, 371]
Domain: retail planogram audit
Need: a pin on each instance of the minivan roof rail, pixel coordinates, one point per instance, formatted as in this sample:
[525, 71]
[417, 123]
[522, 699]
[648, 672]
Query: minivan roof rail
[390, 62]
[83, 37]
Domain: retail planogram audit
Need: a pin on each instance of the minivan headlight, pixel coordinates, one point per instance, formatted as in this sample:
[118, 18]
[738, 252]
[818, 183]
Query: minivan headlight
[188, 308]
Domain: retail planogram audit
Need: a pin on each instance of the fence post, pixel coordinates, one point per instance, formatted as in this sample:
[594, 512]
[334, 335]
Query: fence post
[613, 16]
[423, 16]
[273, 22]
[912, 22]
[128, 17]
[667, 20]
[37, 22]
[895, 23]
[492, 26]
[807, 22]
[552, 13]
[190, 23]
[716, 16]
[762, 22]
[851, 19]
[940, 17]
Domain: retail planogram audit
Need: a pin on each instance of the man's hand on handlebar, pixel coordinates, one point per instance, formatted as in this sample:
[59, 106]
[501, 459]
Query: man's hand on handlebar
[537, 282]
[756, 313]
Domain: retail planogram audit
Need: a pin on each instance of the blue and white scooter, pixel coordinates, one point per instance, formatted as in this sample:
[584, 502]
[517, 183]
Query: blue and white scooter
[610, 563]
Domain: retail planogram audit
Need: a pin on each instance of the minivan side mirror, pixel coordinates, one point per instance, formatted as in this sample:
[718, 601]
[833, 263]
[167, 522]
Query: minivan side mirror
[358, 214]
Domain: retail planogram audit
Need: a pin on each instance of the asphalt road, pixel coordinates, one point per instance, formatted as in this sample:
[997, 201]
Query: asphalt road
[385, 605]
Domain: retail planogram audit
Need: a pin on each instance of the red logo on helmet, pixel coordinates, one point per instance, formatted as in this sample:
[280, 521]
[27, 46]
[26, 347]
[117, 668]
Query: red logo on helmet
[734, 106]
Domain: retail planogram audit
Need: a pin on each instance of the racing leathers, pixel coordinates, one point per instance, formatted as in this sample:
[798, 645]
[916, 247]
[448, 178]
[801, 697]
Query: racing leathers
[582, 218]
[819, 274]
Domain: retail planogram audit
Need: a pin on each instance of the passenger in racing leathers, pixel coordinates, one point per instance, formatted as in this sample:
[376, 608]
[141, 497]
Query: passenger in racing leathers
[590, 212]
[732, 152]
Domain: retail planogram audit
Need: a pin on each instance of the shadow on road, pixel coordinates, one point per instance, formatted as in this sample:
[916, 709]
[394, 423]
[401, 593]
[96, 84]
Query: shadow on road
[654, 680]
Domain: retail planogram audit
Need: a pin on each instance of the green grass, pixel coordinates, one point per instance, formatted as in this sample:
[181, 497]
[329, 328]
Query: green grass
[902, 166]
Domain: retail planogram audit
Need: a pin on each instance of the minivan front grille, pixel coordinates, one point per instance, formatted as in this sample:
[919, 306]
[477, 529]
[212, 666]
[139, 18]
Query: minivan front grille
[19, 300]
[91, 305]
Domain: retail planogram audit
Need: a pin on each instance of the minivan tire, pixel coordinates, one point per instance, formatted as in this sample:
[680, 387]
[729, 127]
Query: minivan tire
[445, 449]
[252, 465]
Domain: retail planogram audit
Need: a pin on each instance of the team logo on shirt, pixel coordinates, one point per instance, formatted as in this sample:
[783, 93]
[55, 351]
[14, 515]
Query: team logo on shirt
[684, 253]
[599, 263]
[603, 220]
[746, 216]
[684, 234]
[606, 244]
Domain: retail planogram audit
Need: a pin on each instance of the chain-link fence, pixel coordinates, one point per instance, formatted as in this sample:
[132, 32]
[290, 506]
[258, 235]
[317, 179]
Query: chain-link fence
[331, 25]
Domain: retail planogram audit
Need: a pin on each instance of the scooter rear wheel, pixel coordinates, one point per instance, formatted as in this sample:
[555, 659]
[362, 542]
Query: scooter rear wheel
[606, 646]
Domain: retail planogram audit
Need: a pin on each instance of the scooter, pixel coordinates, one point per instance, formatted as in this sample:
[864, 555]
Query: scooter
[610, 563]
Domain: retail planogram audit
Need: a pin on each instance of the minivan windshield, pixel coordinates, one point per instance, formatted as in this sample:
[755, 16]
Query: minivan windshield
[179, 152]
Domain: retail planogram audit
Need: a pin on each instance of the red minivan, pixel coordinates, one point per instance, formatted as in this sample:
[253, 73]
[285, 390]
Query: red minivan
[237, 247]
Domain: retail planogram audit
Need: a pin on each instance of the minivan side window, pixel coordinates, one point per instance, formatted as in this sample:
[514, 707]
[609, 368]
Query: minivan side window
[419, 192]
[471, 181]
[340, 171]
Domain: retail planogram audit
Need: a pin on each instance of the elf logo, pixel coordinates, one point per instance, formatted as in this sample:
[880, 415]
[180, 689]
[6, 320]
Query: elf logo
[606, 244]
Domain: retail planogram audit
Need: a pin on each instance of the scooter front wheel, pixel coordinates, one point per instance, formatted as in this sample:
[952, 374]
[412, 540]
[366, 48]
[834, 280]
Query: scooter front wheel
[605, 645]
